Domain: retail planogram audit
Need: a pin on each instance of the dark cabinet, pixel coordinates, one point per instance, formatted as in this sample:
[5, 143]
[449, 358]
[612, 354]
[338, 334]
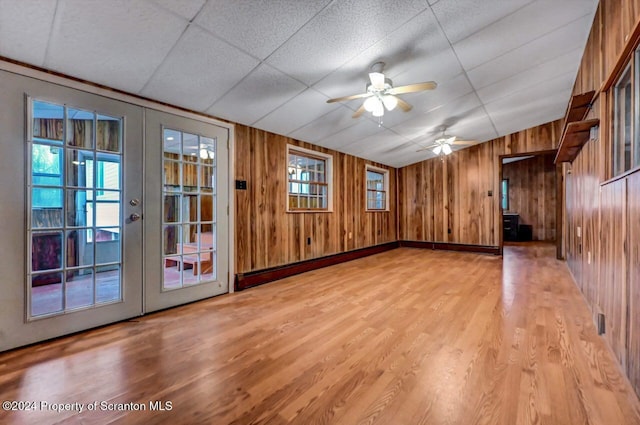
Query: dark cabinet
[510, 226]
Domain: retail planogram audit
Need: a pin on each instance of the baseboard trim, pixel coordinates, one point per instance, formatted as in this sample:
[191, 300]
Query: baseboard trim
[259, 277]
[446, 246]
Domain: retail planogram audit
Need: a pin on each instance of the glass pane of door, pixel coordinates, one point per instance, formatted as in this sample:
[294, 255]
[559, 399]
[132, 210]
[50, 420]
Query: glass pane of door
[76, 209]
[188, 219]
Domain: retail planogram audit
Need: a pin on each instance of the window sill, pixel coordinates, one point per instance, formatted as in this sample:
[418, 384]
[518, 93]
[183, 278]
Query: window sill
[377, 211]
[621, 176]
[308, 211]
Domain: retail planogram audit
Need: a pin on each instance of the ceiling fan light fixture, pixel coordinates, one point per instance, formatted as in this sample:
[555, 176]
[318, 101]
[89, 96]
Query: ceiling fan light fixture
[446, 149]
[437, 150]
[370, 103]
[378, 109]
[390, 102]
[377, 80]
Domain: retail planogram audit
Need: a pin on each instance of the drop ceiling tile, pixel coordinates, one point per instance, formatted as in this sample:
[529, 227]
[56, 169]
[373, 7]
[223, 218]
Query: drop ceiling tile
[122, 51]
[534, 113]
[361, 130]
[382, 141]
[325, 126]
[399, 155]
[403, 52]
[446, 115]
[185, 8]
[199, 70]
[298, 112]
[531, 107]
[558, 43]
[258, 28]
[527, 24]
[259, 93]
[536, 76]
[25, 28]
[339, 33]
[462, 18]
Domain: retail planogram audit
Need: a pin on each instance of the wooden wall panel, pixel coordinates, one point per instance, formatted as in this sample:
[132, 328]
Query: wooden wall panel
[612, 290]
[452, 195]
[633, 220]
[603, 269]
[532, 194]
[268, 236]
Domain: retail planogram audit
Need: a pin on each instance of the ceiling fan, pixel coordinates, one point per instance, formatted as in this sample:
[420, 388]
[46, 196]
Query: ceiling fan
[442, 145]
[380, 93]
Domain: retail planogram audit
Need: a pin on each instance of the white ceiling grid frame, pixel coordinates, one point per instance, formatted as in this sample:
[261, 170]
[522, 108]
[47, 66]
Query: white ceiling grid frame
[274, 63]
[260, 92]
[118, 43]
[25, 28]
[540, 50]
[463, 18]
[188, 9]
[302, 109]
[339, 33]
[361, 130]
[534, 76]
[528, 23]
[199, 70]
[255, 29]
[326, 126]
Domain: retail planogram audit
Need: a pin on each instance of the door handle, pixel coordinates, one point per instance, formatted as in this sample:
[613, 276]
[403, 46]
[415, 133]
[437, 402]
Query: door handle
[135, 217]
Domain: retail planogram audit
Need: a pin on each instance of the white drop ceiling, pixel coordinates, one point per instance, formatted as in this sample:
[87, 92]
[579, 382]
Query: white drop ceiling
[501, 65]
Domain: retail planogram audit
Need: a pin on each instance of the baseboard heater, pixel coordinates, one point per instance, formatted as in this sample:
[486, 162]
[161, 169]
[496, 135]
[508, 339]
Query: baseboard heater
[259, 277]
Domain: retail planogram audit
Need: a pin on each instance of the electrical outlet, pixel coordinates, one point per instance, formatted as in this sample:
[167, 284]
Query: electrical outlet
[601, 324]
[308, 241]
[588, 257]
[350, 235]
[579, 231]
[449, 231]
[490, 193]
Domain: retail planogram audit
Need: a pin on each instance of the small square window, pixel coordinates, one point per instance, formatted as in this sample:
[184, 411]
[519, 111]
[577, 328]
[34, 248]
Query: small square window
[377, 188]
[308, 180]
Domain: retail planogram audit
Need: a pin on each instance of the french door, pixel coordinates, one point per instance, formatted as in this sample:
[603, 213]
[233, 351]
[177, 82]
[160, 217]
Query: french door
[71, 203]
[186, 176]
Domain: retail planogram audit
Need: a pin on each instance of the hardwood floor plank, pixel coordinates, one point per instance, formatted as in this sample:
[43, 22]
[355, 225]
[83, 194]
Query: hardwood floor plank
[409, 336]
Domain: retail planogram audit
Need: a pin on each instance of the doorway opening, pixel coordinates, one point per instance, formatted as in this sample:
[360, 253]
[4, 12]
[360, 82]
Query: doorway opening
[529, 201]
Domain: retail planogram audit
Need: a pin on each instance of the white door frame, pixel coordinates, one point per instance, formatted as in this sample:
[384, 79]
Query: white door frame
[139, 101]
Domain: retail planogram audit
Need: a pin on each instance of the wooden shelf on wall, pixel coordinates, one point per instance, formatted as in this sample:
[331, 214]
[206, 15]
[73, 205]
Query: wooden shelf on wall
[576, 129]
[579, 105]
[575, 135]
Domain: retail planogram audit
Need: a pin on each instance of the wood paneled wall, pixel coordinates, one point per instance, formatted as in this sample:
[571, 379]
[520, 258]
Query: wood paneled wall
[532, 194]
[602, 215]
[268, 236]
[448, 200]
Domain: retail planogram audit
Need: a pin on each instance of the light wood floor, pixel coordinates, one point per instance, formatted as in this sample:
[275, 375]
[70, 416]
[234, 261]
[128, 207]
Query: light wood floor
[405, 337]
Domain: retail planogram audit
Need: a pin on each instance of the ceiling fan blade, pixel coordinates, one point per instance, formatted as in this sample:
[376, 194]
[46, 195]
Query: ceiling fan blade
[353, 96]
[426, 148]
[412, 88]
[358, 112]
[404, 105]
[465, 142]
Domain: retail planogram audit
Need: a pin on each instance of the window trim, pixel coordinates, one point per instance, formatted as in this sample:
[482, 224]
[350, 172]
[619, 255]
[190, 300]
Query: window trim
[385, 174]
[328, 158]
[615, 149]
